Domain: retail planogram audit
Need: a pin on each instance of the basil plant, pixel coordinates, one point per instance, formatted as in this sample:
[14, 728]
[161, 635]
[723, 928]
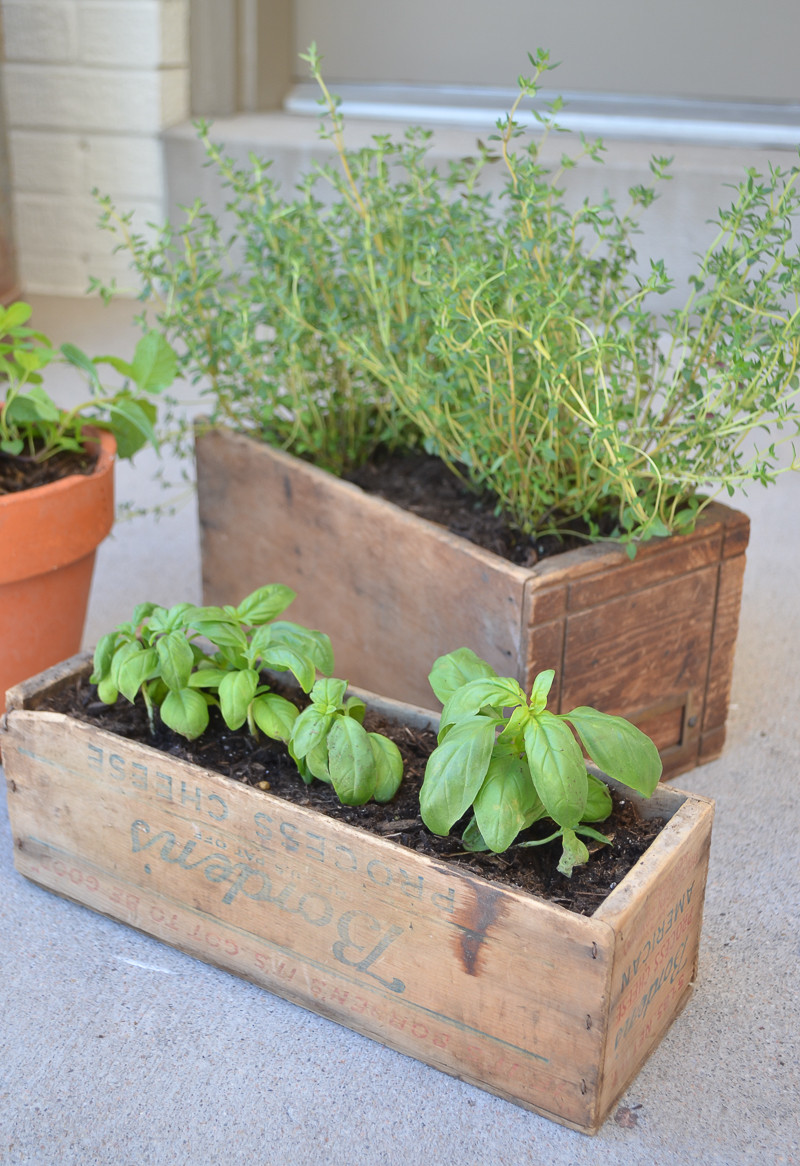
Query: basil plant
[503, 755]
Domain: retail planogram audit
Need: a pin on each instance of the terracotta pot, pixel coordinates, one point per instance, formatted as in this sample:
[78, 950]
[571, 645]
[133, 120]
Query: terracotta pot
[48, 539]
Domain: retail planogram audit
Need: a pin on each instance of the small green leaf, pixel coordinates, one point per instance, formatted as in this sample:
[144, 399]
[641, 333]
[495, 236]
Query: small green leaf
[223, 634]
[618, 748]
[140, 667]
[186, 712]
[14, 316]
[142, 612]
[79, 359]
[455, 772]
[454, 670]
[103, 655]
[122, 655]
[329, 694]
[107, 690]
[496, 693]
[32, 407]
[351, 762]
[310, 728]
[207, 678]
[282, 658]
[504, 802]
[598, 800]
[236, 692]
[121, 366]
[316, 645]
[574, 852]
[355, 707]
[132, 424]
[175, 658]
[154, 363]
[275, 716]
[557, 768]
[541, 689]
[263, 605]
[388, 767]
[472, 838]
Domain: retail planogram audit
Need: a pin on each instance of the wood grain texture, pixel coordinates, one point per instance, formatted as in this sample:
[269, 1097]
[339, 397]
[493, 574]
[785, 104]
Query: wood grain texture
[395, 591]
[494, 986]
[392, 590]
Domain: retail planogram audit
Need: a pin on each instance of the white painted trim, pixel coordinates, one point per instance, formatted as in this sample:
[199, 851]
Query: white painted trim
[609, 116]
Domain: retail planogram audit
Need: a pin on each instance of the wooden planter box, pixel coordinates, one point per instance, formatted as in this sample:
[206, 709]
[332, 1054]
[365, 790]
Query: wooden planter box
[652, 640]
[549, 1009]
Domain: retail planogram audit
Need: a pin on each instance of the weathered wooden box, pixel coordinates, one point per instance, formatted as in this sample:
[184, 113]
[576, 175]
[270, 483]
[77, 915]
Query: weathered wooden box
[652, 640]
[549, 1009]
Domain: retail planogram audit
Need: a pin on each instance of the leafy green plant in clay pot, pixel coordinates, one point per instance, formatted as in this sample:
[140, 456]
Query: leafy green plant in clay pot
[387, 305]
[56, 483]
[482, 979]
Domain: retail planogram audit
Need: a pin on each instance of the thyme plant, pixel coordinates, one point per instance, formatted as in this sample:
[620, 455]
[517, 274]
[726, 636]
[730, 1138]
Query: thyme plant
[386, 303]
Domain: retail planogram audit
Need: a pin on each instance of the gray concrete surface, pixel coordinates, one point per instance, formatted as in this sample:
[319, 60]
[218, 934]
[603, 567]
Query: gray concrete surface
[116, 1050]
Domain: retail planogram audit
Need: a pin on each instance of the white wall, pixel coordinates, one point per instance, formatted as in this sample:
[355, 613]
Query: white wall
[89, 86]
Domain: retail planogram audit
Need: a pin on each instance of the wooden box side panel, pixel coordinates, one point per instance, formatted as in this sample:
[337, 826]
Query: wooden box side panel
[723, 647]
[657, 943]
[651, 639]
[499, 989]
[392, 591]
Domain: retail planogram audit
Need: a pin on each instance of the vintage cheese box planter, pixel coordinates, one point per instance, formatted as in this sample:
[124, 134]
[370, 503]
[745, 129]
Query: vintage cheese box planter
[651, 640]
[552, 1010]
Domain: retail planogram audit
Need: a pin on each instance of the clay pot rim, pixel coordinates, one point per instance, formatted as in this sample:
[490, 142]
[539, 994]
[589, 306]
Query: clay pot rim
[106, 446]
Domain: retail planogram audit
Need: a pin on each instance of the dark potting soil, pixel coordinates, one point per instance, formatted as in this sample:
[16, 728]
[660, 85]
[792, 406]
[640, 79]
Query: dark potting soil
[425, 486]
[23, 473]
[266, 764]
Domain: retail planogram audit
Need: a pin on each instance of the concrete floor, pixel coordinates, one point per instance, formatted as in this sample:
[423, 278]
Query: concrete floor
[115, 1049]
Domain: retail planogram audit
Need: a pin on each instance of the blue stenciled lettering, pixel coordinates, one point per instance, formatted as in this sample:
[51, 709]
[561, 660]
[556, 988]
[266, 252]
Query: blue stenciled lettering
[346, 942]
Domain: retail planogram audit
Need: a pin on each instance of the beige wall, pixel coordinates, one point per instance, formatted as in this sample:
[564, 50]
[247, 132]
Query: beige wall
[89, 85]
[8, 274]
[685, 48]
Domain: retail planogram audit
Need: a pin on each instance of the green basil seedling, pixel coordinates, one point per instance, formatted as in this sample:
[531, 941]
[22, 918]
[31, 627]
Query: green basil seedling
[503, 755]
[329, 742]
[187, 658]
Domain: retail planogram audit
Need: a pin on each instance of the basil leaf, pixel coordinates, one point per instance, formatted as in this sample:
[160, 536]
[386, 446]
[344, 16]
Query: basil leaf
[388, 767]
[263, 605]
[504, 802]
[618, 748]
[310, 728]
[557, 768]
[175, 658]
[454, 670]
[141, 666]
[282, 658]
[455, 772]
[574, 852]
[351, 762]
[275, 716]
[236, 691]
[598, 800]
[492, 692]
[186, 712]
